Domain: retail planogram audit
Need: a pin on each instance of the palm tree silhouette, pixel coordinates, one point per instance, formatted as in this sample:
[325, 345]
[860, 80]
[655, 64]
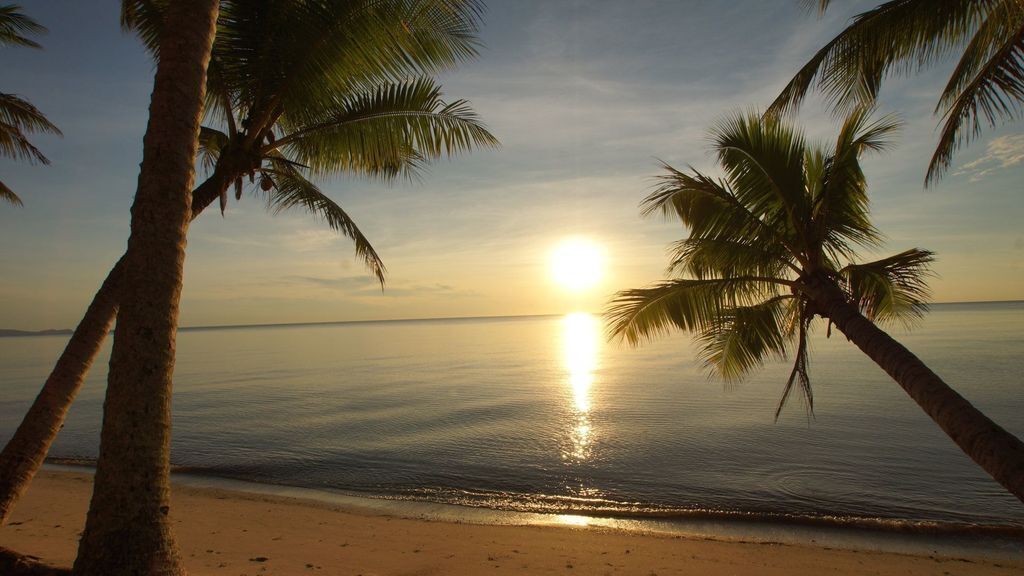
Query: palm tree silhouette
[902, 37]
[297, 91]
[771, 246]
[18, 117]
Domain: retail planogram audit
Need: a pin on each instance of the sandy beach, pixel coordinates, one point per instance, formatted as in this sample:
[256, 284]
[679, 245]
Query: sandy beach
[238, 533]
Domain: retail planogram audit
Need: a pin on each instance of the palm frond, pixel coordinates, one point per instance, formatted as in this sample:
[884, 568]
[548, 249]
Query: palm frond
[794, 314]
[383, 132]
[146, 19]
[893, 288]
[690, 305]
[211, 143]
[1000, 28]
[799, 377]
[897, 37]
[14, 26]
[8, 195]
[904, 36]
[987, 86]
[841, 207]
[289, 189]
[219, 106]
[18, 118]
[440, 34]
[763, 160]
[300, 54]
[742, 338]
[860, 134]
[793, 94]
[786, 210]
[18, 112]
[271, 57]
[704, 258]
[819, 6]
[710, 209]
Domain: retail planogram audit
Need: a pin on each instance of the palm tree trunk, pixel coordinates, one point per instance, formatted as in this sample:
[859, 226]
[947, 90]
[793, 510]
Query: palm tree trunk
[127, 530]
[998, 452]
[27, 449]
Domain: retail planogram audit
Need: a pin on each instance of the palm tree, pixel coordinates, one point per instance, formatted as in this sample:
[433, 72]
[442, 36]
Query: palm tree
[18, 117]
[127, 530]
[771, 246]
[367, 122]
[902, 37]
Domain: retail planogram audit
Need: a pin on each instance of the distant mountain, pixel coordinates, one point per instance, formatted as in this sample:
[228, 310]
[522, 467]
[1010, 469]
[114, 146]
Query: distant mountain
[8, 333]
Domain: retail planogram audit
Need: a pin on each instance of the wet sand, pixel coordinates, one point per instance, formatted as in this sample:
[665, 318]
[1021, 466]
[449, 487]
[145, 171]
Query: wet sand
[224, 532]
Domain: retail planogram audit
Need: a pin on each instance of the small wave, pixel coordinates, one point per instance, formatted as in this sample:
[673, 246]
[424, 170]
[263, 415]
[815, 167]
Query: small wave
[77, 462]
[616, 509]
[83, 462]
[606, 508]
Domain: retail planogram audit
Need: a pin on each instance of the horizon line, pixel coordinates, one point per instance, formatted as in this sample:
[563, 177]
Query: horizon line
[64, 331]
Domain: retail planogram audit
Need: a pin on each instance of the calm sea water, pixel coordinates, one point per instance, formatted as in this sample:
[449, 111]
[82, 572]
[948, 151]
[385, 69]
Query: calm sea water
[543, 414]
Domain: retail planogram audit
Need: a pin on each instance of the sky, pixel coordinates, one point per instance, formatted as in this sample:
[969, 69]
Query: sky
[587, 97]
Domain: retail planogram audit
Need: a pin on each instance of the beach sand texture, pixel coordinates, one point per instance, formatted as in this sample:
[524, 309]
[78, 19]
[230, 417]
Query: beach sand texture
[238, 533]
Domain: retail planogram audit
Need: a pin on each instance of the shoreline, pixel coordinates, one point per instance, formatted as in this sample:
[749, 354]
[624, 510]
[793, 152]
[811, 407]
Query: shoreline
[865, 534]
[222, 528]
[876, 535]
[859, 533]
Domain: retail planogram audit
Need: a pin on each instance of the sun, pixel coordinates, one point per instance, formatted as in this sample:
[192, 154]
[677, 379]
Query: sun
[577, 264]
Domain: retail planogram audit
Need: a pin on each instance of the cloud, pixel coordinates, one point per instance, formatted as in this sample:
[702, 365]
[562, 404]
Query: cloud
[355, 286]
[310, 239]
[425, 290]
[350, 284]
[1001, 152]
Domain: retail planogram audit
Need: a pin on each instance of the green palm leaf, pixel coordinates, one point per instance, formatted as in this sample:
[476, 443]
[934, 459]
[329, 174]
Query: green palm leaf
[211, 143]
[899, 36]
[325, 87]
[14, 26]
[18, 118]
[741, 338]
[9, 195]
[709, 208]
[690, 305]
[303, 54]
[382, 132]
[144, 18]
[767, 241]
[988, 85]
[840, 200]
[763, 160]
[902, 37]
[798, 377]
[283, 57]
[893, 288]
[704, 258]
[819, 5]
[289, 189]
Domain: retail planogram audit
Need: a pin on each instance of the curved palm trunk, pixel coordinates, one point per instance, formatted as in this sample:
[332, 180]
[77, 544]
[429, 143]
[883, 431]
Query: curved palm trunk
[27, 449]
[127, 530]
[998, 452]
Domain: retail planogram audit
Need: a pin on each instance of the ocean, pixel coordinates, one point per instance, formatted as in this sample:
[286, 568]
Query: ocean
[544, 414]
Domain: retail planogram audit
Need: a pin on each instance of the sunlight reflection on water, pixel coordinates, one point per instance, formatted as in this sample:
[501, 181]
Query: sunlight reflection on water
[544, 415]
[580, 344]
[573, 520]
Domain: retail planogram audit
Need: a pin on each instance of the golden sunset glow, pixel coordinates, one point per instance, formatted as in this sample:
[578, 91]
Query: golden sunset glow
[577, 264]
[580, 342]
[520, 286]
[579, 345]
